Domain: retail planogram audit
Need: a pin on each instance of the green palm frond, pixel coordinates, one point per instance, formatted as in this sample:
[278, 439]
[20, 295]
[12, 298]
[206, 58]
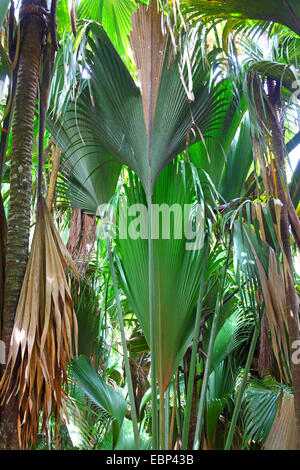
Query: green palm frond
[278, 11]
[238, 164]
[235, 331]
[84, 156]
[88, 427]
[86, 306]
[221, 385]
[103, 396]
[288, 48]
[121, 101]
[3, 9]
[114, 15]
[261, 405]
[285, 74]
[126, 440]
[226, 156]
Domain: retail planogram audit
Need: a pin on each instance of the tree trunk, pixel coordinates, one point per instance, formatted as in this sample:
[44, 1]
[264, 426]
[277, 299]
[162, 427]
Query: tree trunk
[195, 398]
[82, 239]
[276, 123]
[3, 237]
[20, 191]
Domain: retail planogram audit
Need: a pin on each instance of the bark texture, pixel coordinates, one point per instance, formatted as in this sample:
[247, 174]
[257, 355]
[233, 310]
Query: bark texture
[20, 194]
[82, 239]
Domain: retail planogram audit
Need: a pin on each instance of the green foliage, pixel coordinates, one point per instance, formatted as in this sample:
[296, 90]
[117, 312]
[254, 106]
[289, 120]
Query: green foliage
[3, 9]
[101, 395]
[221, 386]
[261, 405]
[114, 15]
[269, 10]
[177, 270]
[86, 306]
[199, 150]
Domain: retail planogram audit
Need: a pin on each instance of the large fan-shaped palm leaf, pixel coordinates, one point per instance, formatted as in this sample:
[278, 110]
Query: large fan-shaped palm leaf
[110, 123]
[177, 271]
[152, 134]
[263, 403]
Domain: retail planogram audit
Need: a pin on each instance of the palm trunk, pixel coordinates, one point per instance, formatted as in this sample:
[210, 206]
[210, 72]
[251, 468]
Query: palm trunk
[20, 192]
[193, 417]
[82, 239]
[3, 237]
[278, 148]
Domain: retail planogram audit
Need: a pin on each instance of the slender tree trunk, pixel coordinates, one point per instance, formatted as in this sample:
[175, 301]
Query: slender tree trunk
[82, 239]
[193, 419]
[193, 415]
[3, 237]
[20, 191]
[277, 129]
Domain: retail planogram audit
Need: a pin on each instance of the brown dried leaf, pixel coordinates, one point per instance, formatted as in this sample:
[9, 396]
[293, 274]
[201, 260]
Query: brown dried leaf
[41, 343]
[283, 432]
[274, 296]
[149, 48]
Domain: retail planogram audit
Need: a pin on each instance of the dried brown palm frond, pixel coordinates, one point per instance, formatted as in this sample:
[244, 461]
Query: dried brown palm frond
[283, 432]
[149, 47]
[274, 295]
[42, 338]
[273, 286]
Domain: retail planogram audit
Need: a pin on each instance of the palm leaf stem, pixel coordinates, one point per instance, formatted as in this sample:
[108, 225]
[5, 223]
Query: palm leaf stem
[124, 345]
[162, 421]
[152, 328]
[207, 369]
[178, 407]
[242, 387]
[166, 434]
[188, 408]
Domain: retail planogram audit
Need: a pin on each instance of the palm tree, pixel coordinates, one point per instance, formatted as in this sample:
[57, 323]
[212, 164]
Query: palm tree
[130, 128]
[31, 15]
[271, 75]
